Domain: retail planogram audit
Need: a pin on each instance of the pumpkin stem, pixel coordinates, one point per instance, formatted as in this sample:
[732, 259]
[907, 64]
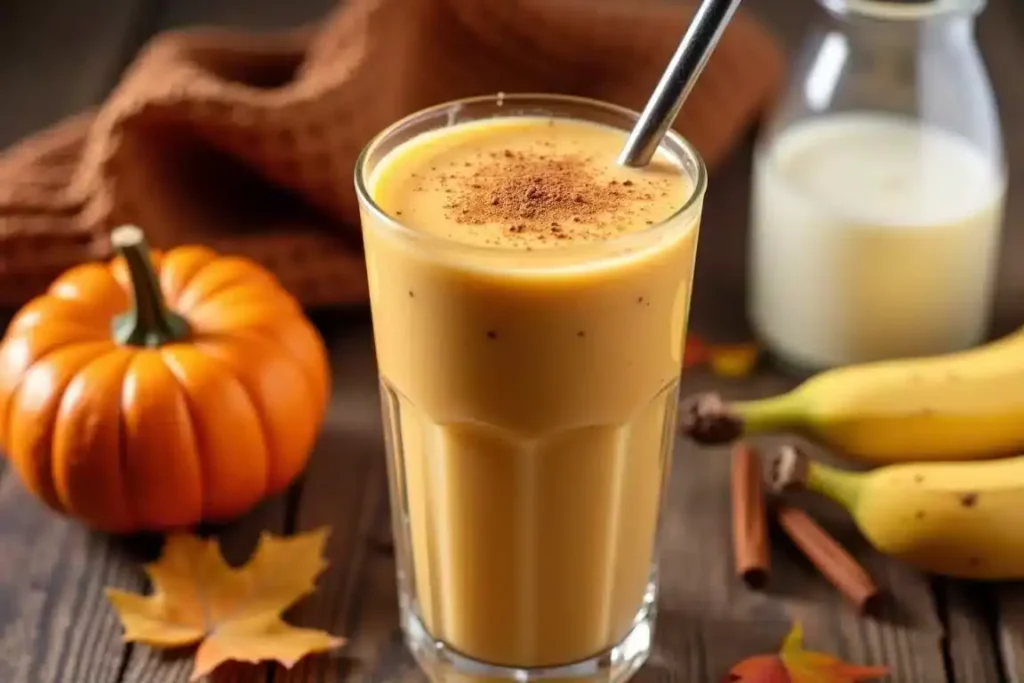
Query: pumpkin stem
[149, 322]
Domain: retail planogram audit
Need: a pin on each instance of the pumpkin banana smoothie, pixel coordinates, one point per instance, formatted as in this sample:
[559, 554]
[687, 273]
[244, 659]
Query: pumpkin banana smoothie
[529, 300]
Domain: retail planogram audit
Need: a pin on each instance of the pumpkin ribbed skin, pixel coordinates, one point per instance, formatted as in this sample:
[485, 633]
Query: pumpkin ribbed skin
[155, 437]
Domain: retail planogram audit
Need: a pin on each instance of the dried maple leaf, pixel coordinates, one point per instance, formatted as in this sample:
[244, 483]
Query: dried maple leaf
[794, 664]
[233, 613]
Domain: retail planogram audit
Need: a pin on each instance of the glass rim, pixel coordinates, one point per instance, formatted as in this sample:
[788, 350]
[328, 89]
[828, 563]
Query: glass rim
[613, 245]
[896, 10]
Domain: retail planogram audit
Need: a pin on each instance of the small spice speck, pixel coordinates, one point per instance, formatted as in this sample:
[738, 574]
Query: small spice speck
[491, 334]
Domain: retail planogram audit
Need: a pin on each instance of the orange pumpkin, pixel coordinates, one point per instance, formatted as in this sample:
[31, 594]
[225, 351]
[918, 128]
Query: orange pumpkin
[158, 391]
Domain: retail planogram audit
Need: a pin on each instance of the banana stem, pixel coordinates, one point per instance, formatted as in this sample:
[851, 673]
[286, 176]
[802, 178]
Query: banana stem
[840, 485]
[773, 414]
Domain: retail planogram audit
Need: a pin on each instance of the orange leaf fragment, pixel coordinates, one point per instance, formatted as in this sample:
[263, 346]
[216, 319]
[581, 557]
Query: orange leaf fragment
[233, 613]
[794, 664]
[759, 669]
[733, 360]
[696, 351]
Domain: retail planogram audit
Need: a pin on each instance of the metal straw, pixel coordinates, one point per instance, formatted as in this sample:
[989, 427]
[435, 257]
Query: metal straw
[677, 81]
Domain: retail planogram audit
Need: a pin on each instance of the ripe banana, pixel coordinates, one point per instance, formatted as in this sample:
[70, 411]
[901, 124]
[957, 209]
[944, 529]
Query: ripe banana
[959, 406]
[958, 519]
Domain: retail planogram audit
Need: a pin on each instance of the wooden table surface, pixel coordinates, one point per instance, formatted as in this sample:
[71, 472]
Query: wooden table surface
[60, 56]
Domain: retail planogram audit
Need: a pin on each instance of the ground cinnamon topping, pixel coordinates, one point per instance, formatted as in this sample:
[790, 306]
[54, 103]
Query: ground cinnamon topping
[538, 194]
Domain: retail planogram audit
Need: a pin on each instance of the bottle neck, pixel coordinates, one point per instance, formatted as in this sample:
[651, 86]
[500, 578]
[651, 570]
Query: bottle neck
[896, 36]
[907, 22]
[908, 11]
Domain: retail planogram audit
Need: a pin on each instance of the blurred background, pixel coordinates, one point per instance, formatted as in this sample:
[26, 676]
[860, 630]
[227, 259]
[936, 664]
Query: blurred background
[62, 56]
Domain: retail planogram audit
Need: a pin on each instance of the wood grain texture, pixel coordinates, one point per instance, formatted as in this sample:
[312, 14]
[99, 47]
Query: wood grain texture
[971, 635]
[55, 625]
[345, 488]
[1010, 602]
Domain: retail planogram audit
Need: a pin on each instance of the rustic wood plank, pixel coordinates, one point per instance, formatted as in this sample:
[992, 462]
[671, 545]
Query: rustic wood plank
[56, 626]
[60, 57]
[969, 611]
[345, 489]
[1010, 604]
[376, 648]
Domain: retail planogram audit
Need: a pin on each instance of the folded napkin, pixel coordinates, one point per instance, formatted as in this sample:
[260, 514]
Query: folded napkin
[247, 142]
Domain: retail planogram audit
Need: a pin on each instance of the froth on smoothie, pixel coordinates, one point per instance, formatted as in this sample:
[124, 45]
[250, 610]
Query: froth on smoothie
[526, 182]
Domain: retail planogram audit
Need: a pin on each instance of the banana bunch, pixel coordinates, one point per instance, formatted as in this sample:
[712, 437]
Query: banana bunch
[945, 434]
[959, 519]
[960, 406]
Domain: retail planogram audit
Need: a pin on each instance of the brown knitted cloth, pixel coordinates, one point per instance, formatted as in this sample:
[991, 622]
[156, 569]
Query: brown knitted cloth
[247, 143]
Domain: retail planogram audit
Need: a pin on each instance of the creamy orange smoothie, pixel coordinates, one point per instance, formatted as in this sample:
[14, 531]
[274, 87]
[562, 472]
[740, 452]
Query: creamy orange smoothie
[529, 302]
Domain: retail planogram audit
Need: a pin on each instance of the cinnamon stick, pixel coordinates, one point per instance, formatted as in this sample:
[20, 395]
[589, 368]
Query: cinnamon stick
[831, 559]
[749, 517]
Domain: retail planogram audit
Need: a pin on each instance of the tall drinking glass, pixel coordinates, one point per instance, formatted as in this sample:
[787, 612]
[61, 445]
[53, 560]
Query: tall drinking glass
[529, 399]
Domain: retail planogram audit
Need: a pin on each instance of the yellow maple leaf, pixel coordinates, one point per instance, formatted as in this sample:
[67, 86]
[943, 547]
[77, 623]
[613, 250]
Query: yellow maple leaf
[233, 613]
[794, 664]
[805, 666]
[733, 360]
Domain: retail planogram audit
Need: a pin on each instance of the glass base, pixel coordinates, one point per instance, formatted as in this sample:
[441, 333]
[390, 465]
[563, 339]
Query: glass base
[443, 664]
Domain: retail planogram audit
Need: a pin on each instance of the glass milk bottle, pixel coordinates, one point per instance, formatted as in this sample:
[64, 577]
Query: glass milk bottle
[879, 185]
